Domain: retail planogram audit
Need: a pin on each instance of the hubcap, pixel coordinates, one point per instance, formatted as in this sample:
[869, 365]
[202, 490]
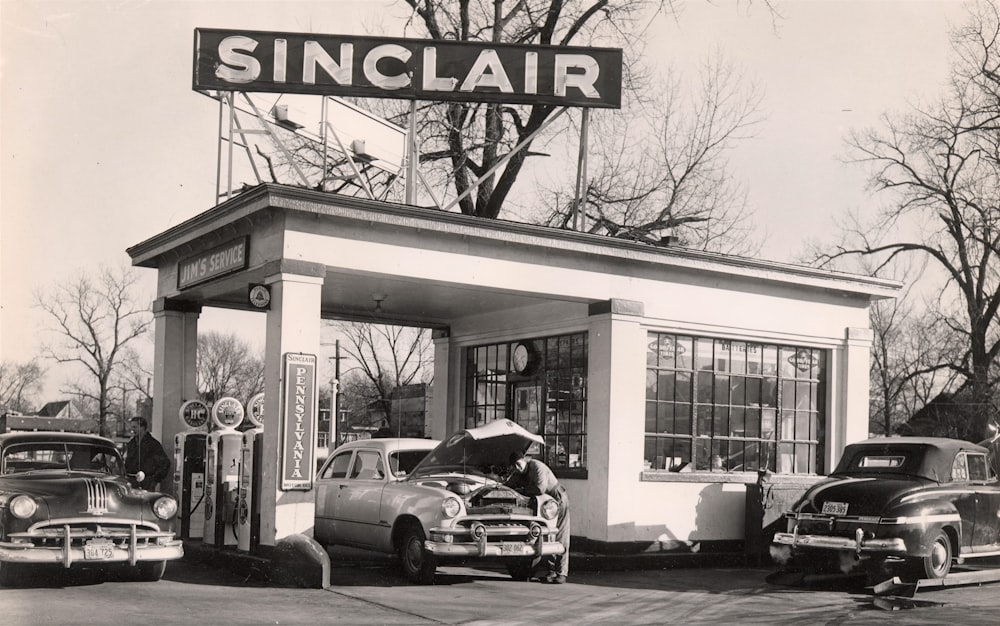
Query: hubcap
[939, 556]
[414, 554]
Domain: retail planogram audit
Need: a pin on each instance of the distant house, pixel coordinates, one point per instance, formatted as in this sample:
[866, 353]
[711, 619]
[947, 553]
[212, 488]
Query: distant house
[944, 416]
[62, 409]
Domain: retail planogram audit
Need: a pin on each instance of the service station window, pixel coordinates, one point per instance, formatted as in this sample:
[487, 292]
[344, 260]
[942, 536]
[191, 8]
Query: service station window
[717, 405]
[541, 384]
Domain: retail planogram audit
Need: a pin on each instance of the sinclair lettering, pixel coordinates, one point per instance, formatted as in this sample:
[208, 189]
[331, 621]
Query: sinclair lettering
[229, 257]
[299, 421]
[415, 69]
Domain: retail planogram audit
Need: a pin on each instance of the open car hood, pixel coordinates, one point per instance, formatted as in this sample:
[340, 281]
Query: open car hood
[476, 449]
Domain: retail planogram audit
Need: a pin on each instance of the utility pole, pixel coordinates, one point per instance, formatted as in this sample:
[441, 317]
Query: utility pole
[335, 398]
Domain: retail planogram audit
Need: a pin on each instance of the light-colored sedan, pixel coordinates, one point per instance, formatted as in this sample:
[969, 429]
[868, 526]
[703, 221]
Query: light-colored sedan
[429, 501]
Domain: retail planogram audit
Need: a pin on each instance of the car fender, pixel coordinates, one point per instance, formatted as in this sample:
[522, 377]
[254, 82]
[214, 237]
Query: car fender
[918, 518]
[408, 502]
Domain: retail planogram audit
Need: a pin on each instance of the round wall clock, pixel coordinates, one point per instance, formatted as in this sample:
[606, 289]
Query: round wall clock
[521, 358]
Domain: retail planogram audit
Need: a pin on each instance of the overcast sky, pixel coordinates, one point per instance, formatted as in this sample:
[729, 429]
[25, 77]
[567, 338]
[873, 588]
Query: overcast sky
[105, 145]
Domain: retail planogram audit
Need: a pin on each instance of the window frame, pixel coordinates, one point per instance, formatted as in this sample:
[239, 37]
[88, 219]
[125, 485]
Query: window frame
[723, 405]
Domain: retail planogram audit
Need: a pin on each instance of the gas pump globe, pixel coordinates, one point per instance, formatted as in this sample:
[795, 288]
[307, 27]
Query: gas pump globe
[222, 472]
[189, 469]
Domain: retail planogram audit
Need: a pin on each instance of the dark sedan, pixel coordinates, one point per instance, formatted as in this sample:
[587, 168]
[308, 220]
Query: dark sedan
[65, 501]
[919, 502]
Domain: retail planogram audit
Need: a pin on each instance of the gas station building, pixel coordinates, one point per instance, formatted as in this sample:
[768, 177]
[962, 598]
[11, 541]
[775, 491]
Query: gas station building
[661, 378]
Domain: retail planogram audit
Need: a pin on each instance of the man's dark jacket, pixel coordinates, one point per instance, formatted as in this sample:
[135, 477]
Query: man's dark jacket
[149, 457]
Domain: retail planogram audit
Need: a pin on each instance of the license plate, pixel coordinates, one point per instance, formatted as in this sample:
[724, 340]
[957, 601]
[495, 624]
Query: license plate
[511, 548]
[98, 551]
[835, 508]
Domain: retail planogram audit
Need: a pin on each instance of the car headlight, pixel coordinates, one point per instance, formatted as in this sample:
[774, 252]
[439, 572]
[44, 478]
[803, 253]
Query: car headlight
[451, 507]
[23, 506]
[165, 507]
[550, 510]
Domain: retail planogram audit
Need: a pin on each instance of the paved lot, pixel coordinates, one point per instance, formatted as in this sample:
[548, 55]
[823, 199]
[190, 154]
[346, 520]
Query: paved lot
[367, 591]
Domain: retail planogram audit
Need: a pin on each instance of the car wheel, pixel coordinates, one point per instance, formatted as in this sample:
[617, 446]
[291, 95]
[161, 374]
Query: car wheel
[937, 564]
[150, 571]
[418, 565]
[521, 568]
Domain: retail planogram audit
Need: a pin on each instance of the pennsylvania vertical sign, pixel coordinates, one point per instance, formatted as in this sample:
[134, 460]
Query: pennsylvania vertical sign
[299, 421]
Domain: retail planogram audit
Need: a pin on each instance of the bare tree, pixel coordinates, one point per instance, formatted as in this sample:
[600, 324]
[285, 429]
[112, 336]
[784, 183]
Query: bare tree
[387, 357]
[909, 366]
[940, 167]
[94, 318]
[228, 366]
[661, 170]
[20, 383]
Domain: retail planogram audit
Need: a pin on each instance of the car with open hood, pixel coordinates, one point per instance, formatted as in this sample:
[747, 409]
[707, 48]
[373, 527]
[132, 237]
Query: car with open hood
[431, 502]
[65, 501]
[910, 504]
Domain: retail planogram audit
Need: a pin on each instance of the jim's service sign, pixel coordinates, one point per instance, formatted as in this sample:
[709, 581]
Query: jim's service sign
[414, 69]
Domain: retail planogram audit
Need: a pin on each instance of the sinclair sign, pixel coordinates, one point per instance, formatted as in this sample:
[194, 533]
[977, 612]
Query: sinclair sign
[413, 69]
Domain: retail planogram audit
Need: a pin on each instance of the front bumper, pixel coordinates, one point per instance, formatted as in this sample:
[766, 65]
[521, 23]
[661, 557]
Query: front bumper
[496, 540]
[91, 542]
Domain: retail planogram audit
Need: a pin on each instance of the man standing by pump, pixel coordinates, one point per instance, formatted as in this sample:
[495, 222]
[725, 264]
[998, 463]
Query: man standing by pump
[144, 453]
[531, 477]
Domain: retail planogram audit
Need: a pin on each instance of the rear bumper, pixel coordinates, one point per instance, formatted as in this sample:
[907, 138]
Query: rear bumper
[856, 544]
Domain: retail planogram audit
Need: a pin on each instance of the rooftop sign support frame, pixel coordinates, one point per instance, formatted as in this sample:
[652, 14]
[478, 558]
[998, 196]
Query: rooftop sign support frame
[413, 69]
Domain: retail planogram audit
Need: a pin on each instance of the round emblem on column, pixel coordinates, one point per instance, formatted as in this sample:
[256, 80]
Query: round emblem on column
[260, 296]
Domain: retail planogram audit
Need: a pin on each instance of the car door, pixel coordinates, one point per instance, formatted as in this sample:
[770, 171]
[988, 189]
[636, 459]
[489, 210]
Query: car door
[360, 499]
[331, 479]
[963, 496]
[986, 535]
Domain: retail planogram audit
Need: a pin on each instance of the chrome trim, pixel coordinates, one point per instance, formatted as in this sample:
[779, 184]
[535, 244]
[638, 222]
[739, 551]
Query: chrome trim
[840, 543]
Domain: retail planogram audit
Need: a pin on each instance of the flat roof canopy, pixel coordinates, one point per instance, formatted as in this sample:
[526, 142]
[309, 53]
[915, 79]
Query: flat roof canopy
[434, 266]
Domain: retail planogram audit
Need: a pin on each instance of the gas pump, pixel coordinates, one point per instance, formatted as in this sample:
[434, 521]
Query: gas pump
[248, 506]
[189, 469]
[222, 473]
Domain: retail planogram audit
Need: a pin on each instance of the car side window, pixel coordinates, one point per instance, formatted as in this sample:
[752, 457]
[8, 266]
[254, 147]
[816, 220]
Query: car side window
[338, 466]
[978, 467]
[960, 468]
[368, 466]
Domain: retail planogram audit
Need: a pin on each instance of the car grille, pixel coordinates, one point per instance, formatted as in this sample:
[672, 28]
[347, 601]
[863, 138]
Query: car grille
[53, 534]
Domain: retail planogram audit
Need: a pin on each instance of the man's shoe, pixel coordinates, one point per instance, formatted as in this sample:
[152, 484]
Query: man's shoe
[555, 579]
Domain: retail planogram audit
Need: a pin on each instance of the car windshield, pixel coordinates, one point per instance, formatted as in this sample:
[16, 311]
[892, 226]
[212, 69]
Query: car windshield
[20, 458]
[402, 462]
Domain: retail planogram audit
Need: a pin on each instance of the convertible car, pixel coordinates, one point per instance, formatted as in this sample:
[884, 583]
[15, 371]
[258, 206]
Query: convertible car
[919, 503]
[450, 505]
[65, 501]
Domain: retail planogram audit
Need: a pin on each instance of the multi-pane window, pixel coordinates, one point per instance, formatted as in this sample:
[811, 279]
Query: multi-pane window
[548, 397]
[722, 405]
